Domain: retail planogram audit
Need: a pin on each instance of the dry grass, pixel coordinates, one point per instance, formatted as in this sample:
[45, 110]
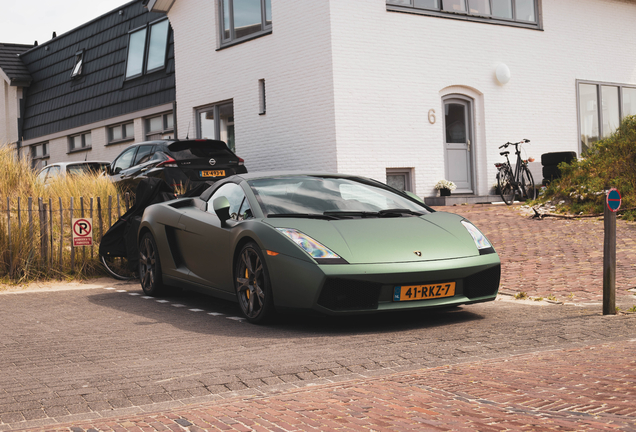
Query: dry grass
[23, 256]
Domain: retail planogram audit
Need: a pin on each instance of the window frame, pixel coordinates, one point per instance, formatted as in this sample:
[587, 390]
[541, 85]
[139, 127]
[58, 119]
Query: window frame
[165, 129]
[407, 173]
[467, 16]
[599, 104]
[78, 66]
[144, 64]
[232, 39]
[36, 160]
[124, 138]
[216, 108]
[84, 146]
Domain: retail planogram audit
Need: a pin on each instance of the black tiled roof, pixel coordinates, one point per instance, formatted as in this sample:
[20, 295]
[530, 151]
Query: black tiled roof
[12, 65]
[56, 102]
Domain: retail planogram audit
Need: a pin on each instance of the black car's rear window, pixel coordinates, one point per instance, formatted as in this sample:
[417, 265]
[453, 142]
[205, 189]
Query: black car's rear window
[199, 149]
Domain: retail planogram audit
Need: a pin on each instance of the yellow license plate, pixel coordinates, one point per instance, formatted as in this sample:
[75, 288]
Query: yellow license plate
[423, 292]
[213, 173]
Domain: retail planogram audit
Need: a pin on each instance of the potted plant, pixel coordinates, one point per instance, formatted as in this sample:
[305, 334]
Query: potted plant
[445, 187]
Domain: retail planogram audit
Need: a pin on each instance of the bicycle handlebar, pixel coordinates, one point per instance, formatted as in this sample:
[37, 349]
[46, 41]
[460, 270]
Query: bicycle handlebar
[525, 140]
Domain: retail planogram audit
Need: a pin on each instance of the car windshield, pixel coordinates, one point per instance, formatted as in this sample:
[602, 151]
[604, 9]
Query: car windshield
[85, 168]
[331, 197]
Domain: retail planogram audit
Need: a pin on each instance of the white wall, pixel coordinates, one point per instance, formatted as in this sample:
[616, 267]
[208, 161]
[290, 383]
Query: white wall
[295, 60]
[9, 112]
[350, 85]
[391, 68]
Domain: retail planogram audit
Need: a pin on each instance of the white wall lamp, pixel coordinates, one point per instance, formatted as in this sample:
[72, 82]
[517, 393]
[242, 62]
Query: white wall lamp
[502, 73]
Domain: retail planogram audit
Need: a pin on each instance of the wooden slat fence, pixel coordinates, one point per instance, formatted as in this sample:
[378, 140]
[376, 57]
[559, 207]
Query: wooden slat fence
[43, 245]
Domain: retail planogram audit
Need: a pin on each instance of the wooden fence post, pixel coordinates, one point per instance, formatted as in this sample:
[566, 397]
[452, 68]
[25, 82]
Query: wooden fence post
[72, 247]
[19, 217]
[30, 210]
[118, 208]
[110, 211]
[51, 231]
[93, 228]
[99, 217]
[44, 224]
[9, 264]
[61, 234]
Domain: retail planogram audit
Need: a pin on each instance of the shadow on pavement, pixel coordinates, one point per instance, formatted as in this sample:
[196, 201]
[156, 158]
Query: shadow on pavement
[283, 326]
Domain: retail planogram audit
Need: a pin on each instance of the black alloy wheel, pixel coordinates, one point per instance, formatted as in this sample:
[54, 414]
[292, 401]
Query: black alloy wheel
[150, 267]
[505, 180]
[253, 287]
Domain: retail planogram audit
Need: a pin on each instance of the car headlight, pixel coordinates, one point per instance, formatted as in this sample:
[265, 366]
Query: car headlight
[317, 251]
[480, 240]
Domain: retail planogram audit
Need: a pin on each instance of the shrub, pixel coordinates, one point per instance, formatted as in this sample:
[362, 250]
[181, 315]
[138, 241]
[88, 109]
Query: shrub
[608, 163]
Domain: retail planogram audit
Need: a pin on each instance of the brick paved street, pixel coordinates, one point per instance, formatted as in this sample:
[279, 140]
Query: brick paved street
[553, 256]
[583, 389]
[109, 358]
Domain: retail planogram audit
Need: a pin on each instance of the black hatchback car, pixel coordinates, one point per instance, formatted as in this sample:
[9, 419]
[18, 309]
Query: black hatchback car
[183, 164]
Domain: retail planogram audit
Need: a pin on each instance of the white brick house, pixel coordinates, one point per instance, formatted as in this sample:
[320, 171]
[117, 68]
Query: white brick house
[372, 86]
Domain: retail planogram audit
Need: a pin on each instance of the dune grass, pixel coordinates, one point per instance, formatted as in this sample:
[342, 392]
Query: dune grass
[25, 255]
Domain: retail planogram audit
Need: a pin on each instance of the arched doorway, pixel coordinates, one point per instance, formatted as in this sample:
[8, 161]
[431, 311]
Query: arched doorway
[458, 139]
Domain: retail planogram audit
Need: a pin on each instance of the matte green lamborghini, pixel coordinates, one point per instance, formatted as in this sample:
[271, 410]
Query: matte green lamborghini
[329, 243]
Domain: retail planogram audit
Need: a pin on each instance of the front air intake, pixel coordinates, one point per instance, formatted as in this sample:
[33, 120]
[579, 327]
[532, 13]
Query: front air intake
[482, 284]
[346, 294]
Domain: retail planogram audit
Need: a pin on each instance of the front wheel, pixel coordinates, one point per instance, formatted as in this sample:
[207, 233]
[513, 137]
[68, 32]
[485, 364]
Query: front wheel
[527, 184]
[505, 182]
[150, 267]
[253, 287]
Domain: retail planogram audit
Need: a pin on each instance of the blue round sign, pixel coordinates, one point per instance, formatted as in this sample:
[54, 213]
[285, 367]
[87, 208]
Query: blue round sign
[613, 200]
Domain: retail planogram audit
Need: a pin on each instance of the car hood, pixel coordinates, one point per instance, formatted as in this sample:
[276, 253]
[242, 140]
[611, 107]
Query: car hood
[435, 236]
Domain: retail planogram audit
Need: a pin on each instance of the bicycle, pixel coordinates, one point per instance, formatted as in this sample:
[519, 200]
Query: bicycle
[518, 181]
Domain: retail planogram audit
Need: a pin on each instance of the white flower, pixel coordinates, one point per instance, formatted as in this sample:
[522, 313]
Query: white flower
[445, 184]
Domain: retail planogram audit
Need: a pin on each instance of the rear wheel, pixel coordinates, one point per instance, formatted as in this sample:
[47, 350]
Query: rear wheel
[150, 267]
[253, 287]
[527, 184]
[505, 182]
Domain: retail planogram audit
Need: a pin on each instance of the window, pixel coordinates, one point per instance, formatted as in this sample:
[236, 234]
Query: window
[399, 178]
[39, 152]
[217, 122]
[124, 160]
[239, 206]
[79, 64]
[616, 101]
[524, 13]
[160, 127]
[122, 132]
[261, 97]
[80, 142]
[147, 48]
[244, 19]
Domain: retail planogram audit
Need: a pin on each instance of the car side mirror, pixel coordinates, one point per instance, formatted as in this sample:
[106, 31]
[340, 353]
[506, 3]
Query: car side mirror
[221, 207]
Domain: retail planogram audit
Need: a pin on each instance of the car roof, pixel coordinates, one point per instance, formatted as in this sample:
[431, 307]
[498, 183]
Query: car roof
[270, 174]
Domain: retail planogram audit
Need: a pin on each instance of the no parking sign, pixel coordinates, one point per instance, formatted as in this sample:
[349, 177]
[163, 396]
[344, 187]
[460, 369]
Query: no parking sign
[82, 231]
[613, 200]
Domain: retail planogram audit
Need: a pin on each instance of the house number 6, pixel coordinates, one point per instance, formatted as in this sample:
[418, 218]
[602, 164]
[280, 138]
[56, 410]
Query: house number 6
[431, 116]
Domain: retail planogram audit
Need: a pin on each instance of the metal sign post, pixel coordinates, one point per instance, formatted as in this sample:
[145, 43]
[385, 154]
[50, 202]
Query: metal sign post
[613, 203]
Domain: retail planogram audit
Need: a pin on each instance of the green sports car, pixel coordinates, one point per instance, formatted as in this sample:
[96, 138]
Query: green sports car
[329, 243]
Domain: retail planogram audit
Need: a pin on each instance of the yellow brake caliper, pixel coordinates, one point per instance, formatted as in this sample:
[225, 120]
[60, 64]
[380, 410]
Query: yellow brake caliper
[247, 276]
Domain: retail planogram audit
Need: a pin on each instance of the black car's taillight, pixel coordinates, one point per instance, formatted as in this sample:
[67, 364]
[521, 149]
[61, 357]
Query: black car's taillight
[170, 163]
[241, 161]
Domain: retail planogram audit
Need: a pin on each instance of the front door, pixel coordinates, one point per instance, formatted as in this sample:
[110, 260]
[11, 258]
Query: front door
[458, 136]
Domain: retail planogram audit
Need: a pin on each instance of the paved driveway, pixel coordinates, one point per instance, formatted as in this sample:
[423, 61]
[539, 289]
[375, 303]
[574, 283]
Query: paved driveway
[94, 358]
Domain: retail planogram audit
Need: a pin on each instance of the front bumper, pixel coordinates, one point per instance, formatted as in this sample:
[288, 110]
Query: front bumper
[343, 289]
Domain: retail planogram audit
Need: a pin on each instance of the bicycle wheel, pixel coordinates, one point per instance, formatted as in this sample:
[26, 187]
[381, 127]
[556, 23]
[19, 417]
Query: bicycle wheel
[527, 184]
[117, 268]
[505, 181]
